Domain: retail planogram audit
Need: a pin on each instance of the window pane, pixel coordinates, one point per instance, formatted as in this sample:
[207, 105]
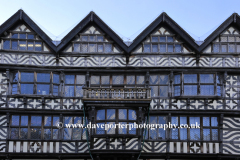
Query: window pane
[55, 78]
[84, 38]
[170, 48]
[194, 134]
[163, 91]
[43, 77]
[174, 120]
[154, 91]
[214, 122]
[43, 89]
[130, 79]
[206, 134]
[176, 90]
[183, 133]
[178, 48]
[190, 78]
[231, 48]
[67, 133]
[15, 120]
[219, 90]
[100, 128]
[154, 79]
[84, 48]
[216, 48]
[80, 79]
[35, 133]
[140, 79]
[194, 121]
[100, 38]
[55, 121]
[177, 79]
[30, 46]
[132, 115]
[69, 79]
[162, 48]
[36, 120]
[170, 39]
[76, 47]
[24, 120]
[79, 91]
[117, 79]
[14, 133]
[24, 133]
[110, 113]
[47, 120]
[163, 79]
[38, 46]
[100, 48]
[190, 90]
[26, 88]
[14, 89]
[206, 78]
[55, 90]
[68, 120]
[101, 114]
[153, 131]
[175, 133]
[224, 48]
[206, 121]
[105, 80]
[133, 130]
[207, 89]
[95, 79]
[47, 134]
[122, 129]
[55, 133]
[6, 44]
[162, 39]
[108, 48]
[27, 77]
[122, 113]
[147, 48]
[154, 39]
[14, 45]
[92, 38]
[111, 128]
[22, 45]
[77, 133]
[92, 47]
[22, 36]
[14, 35]
[154, 48]
[215, 134]
[30, 36]
[69, 91]
[15, 77]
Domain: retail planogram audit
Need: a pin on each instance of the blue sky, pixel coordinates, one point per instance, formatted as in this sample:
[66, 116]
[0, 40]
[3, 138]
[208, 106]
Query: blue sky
[126, 17]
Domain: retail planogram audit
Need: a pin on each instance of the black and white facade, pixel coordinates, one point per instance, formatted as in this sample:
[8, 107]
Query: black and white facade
[162, 77]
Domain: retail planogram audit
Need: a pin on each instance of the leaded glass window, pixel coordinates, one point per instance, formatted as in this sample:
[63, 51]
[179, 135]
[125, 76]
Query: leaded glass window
[197, 84]
[107, 118]
[34, 127]
[74, 85]
[162, 44]
[157, 132]
[226, 44]
[73, 133]
[159, 85]
[35, 83]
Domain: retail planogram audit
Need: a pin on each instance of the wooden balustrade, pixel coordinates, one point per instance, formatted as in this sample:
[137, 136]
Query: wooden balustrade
[117, 93]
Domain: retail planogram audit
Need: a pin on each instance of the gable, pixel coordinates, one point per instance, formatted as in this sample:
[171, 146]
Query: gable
[21, 38]
[228, 42]
[92, 41]
[161, 41]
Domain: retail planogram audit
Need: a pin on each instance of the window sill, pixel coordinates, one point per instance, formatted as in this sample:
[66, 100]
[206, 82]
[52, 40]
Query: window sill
[197, 97]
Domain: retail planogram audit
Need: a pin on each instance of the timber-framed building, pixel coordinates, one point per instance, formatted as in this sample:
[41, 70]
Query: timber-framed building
[164, 76]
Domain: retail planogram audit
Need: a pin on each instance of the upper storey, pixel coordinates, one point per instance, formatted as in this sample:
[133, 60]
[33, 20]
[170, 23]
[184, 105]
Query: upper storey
[92, 43]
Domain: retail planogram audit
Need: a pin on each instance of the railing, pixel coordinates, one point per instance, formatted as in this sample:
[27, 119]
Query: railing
[117, 93]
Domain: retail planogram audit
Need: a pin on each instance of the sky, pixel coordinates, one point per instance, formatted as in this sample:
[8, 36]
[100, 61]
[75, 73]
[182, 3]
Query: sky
[126, 17]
